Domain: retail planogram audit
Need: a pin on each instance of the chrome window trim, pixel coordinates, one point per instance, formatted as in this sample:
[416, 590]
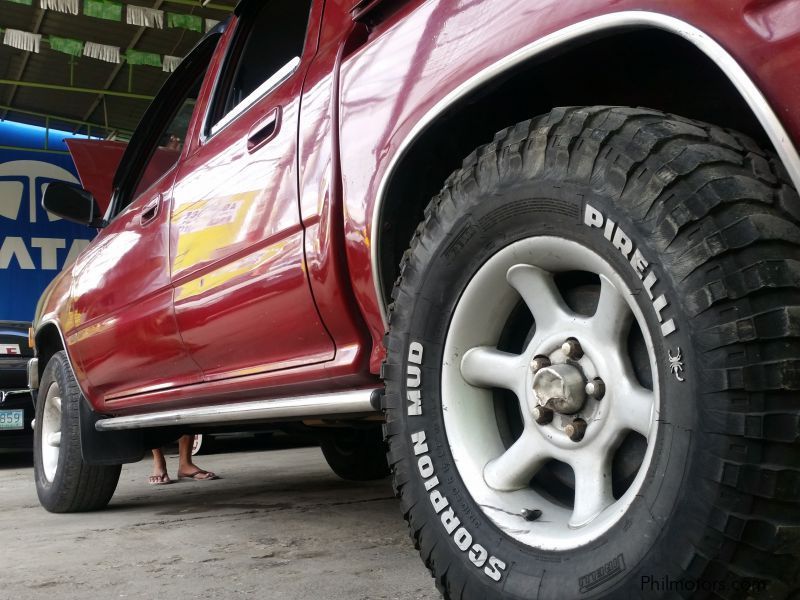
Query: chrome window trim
[355, 402]
[625, 19]
[265, 88]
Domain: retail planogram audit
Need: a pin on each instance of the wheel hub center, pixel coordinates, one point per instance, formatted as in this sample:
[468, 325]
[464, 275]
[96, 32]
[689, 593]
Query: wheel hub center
[560, 387]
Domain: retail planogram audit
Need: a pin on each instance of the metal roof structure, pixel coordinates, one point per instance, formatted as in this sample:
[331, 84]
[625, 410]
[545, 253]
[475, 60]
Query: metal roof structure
[41, 88]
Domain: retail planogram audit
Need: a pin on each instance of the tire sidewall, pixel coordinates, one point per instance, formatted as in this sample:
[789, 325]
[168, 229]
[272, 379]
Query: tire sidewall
[53, 494]
[643, 541]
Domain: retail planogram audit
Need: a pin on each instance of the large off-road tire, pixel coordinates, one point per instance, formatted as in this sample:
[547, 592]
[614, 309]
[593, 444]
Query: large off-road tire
[657, 254]
[64, 482]
[357, 454]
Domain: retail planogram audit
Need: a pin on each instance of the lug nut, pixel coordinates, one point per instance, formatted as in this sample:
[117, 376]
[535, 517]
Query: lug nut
[542, 415]
[596, 388]
[572, 349]
[539, 362]
[576, 430]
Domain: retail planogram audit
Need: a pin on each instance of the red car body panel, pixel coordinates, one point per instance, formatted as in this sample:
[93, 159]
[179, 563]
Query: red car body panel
[430, 48]
[125, 336]
[96, 162]
[242, 297]
[284, 300]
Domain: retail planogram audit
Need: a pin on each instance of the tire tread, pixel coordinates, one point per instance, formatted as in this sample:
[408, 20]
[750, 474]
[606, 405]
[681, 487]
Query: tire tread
[80, 487]
[725, 214]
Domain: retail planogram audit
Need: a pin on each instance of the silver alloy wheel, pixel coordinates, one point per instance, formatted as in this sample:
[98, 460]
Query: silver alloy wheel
[51, 432]
[498, 475]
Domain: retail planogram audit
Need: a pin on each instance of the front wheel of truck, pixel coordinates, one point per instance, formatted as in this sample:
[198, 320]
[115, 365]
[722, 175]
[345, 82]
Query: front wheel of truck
[64, 482]
[594, 363]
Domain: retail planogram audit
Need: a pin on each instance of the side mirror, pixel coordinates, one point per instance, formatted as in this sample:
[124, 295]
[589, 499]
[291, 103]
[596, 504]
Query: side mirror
[72, 203]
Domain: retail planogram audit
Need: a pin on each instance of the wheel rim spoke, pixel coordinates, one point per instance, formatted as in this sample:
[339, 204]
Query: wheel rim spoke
[540, 294]
[566, 423]
[485, 366]
[636, 408]
[514, 469]
[613, 316]
[50, 443]
[593, 492]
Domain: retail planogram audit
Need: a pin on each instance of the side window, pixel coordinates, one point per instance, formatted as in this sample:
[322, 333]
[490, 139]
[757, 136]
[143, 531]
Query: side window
[156, 145]
[266, 49]
[171, 140]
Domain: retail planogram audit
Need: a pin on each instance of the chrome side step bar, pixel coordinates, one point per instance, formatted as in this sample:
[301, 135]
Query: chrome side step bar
[352, 403]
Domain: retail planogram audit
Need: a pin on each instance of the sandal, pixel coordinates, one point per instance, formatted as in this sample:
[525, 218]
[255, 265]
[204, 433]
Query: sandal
[199, 475]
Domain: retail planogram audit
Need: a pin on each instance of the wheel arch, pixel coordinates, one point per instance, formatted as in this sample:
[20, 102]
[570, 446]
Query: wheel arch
[552, 69]
[97, 448]
[49, 340]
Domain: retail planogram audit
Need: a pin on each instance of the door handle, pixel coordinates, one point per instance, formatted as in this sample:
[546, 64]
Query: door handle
[150, 211]
[264, 130]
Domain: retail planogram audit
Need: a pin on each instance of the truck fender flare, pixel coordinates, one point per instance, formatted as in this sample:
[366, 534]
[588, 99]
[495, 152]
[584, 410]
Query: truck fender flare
[619, 20]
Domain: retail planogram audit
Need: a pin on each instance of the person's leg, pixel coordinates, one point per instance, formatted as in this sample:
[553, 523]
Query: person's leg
[186, 468]
[159, 475]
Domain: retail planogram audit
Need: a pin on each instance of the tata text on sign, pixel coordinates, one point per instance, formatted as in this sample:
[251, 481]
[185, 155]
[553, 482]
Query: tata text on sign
[34, 245]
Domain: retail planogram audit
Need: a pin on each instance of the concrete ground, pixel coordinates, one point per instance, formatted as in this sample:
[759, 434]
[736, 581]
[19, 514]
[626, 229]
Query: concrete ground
[278, 525]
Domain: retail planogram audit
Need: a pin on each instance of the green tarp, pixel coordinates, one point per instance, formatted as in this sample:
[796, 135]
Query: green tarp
[190, 22]
[136, 57]
[103, 9]
[66, 45]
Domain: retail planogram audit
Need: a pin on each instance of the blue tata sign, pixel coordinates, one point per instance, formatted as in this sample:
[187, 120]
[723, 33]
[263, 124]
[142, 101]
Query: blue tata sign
[34, 245]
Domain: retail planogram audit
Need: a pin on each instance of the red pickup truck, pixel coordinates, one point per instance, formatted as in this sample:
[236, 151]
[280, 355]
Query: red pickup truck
[547, 252]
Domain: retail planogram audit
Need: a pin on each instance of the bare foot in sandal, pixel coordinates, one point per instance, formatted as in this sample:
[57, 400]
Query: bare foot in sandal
[197, 474]
[186, 468]
[159, 476]
[159, 479]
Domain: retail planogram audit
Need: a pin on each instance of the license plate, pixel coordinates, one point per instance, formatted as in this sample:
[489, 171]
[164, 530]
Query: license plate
[12, 419]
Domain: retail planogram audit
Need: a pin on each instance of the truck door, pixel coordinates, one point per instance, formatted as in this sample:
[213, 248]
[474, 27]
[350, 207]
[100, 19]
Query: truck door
[126, 335]
[242, 297]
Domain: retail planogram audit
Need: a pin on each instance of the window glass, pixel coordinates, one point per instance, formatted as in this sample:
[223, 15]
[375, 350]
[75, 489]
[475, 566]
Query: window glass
[271, 34]
[170, 143]
[156, 144]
